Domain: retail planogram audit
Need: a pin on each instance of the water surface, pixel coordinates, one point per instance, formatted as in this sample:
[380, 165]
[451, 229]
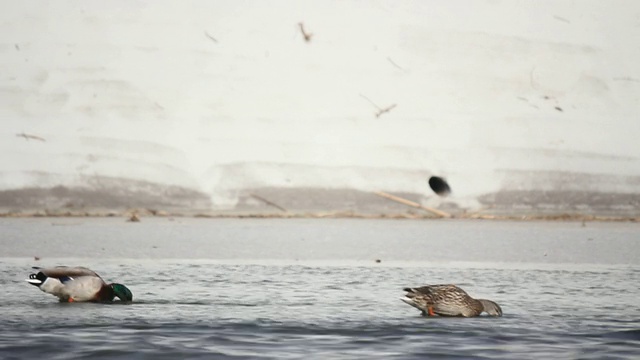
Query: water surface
[294, 288]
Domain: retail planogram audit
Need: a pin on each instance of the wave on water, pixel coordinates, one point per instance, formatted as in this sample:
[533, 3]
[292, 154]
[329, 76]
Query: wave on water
[266, 338]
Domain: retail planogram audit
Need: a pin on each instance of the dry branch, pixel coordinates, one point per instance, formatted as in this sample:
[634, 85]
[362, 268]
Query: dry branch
[307, 36]
[28, 136]
[385, 110]
[210, 37]
[269, 202]
[394, 64]
[380, 110]
[413, 204]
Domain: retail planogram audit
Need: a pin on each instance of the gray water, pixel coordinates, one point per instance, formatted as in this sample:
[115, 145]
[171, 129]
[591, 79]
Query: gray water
[310, 288]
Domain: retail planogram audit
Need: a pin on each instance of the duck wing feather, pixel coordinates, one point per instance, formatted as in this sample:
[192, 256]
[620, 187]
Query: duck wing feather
[84, 288]
[64, 272]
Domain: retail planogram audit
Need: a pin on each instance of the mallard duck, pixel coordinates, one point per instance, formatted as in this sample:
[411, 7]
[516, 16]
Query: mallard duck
[77, 284]
[448, 300]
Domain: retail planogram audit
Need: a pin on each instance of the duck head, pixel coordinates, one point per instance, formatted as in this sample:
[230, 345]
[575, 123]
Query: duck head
[122, 292]
[490, 307]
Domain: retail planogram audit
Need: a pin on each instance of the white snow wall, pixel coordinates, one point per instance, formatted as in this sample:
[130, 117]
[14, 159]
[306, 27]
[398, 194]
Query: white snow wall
[192, 104]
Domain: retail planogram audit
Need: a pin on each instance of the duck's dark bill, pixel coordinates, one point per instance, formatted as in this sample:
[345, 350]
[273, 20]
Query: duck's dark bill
[34, 281]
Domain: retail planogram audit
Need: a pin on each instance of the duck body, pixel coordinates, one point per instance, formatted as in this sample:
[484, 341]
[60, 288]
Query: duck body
[77, 284]
[448, 300]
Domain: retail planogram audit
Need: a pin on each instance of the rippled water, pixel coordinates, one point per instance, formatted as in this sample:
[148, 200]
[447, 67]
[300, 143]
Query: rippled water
[246, 288]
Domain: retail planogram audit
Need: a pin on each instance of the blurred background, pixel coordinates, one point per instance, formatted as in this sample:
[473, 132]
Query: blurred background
[320, 108]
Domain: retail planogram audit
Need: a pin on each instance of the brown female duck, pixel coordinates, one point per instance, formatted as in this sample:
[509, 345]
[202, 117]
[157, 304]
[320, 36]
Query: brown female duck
[448, 300]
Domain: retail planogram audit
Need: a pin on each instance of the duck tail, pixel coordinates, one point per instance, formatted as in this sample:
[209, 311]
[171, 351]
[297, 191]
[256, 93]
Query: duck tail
[37, 279]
